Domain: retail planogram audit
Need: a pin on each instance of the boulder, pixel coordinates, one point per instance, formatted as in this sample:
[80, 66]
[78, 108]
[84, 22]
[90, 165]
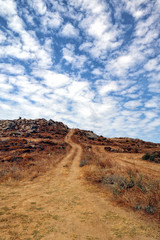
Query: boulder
[91, 136]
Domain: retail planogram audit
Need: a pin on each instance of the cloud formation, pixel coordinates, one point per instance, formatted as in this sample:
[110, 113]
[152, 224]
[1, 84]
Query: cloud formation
[91, 64]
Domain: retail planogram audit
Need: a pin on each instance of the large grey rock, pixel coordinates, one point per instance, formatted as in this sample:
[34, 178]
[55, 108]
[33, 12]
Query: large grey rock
[90, 135]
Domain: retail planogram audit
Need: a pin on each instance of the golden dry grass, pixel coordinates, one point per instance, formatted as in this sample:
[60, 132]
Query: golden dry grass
[129, 185]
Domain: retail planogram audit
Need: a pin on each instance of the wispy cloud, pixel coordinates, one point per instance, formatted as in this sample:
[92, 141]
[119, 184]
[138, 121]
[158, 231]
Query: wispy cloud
[92, 64]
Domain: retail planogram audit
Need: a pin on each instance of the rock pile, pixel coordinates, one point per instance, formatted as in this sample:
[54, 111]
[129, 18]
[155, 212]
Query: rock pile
[24, 127]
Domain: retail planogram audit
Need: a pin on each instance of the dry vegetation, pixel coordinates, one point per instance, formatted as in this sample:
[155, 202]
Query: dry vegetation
[30, 147]
[119, 166]
[44, 193]
[29, 159]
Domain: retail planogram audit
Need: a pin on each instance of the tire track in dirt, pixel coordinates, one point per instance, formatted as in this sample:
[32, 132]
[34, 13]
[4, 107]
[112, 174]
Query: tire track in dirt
[74, 170]
[70, 164]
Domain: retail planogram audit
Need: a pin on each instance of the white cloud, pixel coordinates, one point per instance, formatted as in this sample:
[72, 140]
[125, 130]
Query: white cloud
[51, 20]
[97, 27]
[133, 89]
[97, 71]
[108, 87]
[151, 65]
[69, 55]
[155, 123]
[135, 8]
[55, 80]
[121, 64]
[92, 7]
[12, 69]
[86, 46]
[5, 87]
[76, 92]
[8, 7]
[2, 37]
[16, 23]
[3, 78]
[27, 45]
[38, 5]
[154, 87]
[52, 79]
[125, 61]
[28, 17]
[14, 51]
[5, 107]
[150, 115]
[69, 31]
[133, 104]
[104, 37]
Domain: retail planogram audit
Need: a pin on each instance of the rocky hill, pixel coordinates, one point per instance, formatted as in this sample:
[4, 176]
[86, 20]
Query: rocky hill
[31, 147]
[28, 146]
[27, 128]
[119, 145]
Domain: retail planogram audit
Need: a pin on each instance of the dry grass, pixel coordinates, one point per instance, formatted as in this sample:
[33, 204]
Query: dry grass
[59, 205]
[129, 187]
[32, 166]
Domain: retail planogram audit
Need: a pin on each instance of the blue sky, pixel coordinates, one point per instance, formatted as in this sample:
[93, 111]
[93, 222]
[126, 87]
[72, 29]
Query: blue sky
[91, 64]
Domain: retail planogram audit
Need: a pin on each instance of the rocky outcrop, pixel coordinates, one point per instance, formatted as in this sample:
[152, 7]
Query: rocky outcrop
[24, 127]
[30, 147]
[91, 135]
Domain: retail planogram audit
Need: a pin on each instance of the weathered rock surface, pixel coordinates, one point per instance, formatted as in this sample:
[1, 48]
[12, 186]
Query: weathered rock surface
[22, 127]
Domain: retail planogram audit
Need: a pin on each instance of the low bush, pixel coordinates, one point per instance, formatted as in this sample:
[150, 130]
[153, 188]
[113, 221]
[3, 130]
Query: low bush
[83, 163]
[153, 157]
[146, 156]
[138, 192]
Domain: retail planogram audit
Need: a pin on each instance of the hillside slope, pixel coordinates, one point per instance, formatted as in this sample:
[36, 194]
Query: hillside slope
[61, 205]
[44, 193]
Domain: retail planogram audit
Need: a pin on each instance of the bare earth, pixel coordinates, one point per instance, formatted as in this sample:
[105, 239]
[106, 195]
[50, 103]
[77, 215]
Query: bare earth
[62, 206]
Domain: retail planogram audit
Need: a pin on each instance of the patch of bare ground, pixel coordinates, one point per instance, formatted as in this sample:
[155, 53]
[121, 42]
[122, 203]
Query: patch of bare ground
[61, 205]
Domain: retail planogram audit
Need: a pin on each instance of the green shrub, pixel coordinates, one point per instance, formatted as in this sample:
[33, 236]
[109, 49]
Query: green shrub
[154, 157]
[146, 156]
[150, 209]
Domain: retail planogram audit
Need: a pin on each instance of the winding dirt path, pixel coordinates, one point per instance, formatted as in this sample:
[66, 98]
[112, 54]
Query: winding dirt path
[71, 162]
[62, 206]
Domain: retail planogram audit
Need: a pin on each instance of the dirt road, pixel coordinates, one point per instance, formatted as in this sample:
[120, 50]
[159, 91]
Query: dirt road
[63, 206]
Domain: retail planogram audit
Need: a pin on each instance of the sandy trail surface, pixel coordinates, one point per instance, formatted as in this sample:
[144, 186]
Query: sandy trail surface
[63, 206]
